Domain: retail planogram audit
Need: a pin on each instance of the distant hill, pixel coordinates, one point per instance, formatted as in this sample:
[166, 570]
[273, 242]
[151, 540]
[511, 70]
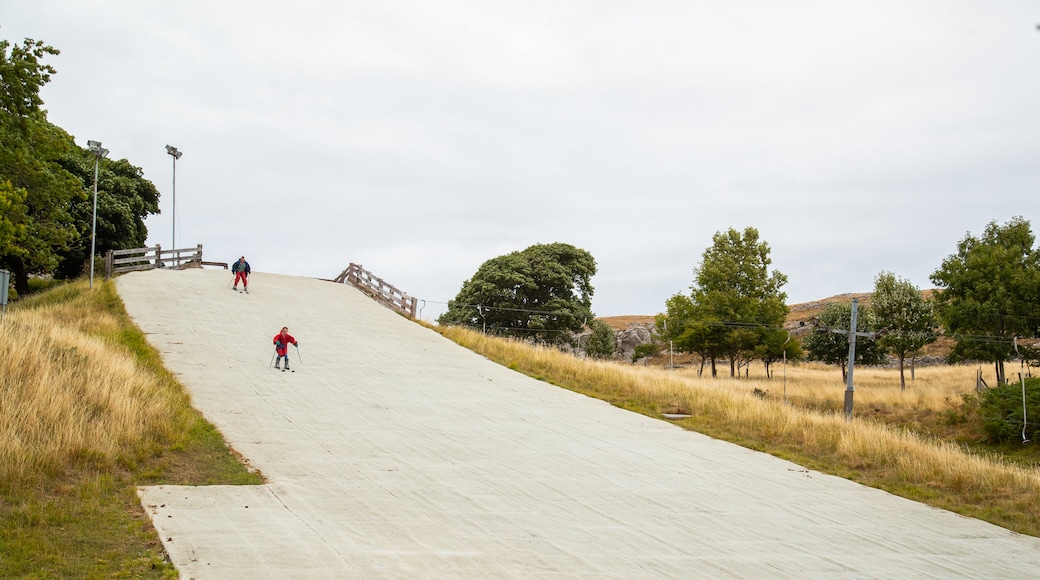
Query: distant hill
[798, 313]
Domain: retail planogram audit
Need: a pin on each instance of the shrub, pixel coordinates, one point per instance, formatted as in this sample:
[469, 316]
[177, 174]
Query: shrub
[644, 350]
[601, 343]
[1000, 409]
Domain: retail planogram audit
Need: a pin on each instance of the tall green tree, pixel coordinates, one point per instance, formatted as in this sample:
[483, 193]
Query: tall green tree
[827, 346]
[543, 293]
[124, 199]
[735, 289]
[907, 319]
[46, 181]
[989, 293]
[29, 149]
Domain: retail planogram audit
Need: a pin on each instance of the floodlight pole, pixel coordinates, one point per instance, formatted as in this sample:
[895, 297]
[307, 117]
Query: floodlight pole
[173, 152]
[99, 152]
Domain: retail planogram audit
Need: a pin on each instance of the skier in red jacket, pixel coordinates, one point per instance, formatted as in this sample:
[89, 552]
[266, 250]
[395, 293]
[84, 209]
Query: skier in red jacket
[281, 346]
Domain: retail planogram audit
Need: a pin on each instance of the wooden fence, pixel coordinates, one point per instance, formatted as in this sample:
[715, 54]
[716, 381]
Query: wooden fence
[378, 289]
[120, 261]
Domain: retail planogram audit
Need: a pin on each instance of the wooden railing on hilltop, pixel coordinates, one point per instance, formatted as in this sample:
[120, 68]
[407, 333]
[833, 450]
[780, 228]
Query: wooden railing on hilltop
[120, 261]
[378, 289]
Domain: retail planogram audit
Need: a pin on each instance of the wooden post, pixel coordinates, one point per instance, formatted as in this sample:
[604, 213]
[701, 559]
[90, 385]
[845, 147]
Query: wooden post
[108, 264]
[158, 256]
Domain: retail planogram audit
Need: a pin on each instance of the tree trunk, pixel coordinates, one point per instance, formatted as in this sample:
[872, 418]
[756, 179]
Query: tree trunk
[714, 369]
[21, 278]
[844, 373]
[902, 379]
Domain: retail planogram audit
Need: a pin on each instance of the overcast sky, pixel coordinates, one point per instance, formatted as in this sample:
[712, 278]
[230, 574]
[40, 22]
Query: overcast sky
[422, 138]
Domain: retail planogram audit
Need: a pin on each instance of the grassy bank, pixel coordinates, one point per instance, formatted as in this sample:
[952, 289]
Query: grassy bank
[876, 448]
[87, 413]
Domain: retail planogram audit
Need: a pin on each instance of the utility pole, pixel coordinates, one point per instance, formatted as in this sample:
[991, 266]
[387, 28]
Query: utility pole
[852, 334]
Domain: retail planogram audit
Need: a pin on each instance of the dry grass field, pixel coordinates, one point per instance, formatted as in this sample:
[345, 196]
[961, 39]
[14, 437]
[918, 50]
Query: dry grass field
[87, 413]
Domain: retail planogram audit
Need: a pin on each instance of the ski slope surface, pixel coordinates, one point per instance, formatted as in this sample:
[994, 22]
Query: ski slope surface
[392, 452]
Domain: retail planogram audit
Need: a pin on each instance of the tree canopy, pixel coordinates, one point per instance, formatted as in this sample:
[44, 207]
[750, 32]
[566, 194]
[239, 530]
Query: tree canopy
[735, 307]
[125, 198]
[542, 293]
[46, 181]
[907, 320]
[989, 293]
[830, 347]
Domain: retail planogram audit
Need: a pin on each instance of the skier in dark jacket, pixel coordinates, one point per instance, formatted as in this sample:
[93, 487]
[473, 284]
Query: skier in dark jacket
[281, 346]
[241, 270]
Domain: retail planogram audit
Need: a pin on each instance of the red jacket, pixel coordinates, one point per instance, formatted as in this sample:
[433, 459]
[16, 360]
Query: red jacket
[282, 342]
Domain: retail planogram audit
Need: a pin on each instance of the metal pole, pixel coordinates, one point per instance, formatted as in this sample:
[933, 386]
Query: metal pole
[93, 227]
[852, 359]
[176, 155]
[99, 152]
[785, 364]
[174, 247]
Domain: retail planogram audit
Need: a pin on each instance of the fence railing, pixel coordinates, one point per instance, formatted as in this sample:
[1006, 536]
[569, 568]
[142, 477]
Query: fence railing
[120, 261]
[378, 289]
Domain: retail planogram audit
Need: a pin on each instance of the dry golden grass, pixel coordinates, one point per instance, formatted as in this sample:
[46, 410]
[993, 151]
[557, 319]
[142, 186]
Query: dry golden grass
[87, 413]
[932, 387]
[865, 450]
[68, 395]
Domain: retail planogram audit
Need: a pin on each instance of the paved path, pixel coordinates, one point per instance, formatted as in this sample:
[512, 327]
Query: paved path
[392, 452]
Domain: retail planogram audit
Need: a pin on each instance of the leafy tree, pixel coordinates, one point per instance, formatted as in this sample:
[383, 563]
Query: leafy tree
[990, 293]
[124, 199]
[542, 293]
[43, 224]
[830, 347]
[735, 292]
[603, 340]
[691, 329]
[907, 319]
[22, 75]
[29, 147]
[12, 201]
[46, 180]
[776, 345]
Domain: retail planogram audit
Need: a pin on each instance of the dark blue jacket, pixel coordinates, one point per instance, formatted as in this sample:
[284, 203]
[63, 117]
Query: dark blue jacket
[241, 266]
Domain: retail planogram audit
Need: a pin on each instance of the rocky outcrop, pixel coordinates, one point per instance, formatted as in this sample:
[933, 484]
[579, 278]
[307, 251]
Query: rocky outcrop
[627, 340]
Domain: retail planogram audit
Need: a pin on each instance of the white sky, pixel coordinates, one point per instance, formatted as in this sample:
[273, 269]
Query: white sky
[422, 138]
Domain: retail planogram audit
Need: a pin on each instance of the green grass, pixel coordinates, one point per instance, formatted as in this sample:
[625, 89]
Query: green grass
[81, 517]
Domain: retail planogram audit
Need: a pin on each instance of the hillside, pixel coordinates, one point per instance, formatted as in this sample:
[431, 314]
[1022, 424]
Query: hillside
[798, 314]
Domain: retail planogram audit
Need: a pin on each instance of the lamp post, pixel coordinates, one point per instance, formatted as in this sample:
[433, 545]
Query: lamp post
[99, 152]
[176, 155]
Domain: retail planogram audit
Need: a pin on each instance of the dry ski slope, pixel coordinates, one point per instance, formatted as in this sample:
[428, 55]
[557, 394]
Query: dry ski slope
[392, 452]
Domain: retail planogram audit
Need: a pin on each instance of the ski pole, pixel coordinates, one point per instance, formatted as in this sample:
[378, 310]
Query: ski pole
[298, 353]
[271, 364]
